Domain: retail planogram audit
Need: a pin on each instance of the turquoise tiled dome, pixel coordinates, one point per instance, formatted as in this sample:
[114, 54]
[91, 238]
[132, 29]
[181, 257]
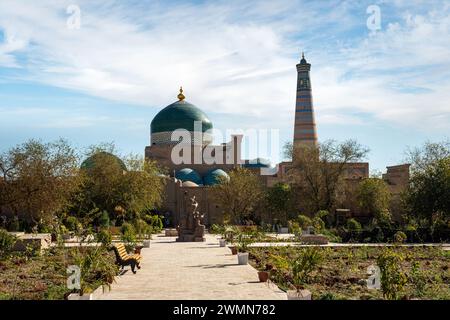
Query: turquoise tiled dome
[257, 163]
[215, 176]
[102, 156]
[179, 115]
[187, 174]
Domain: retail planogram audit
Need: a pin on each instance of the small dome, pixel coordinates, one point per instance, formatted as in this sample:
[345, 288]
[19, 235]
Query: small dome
[189, 184]
[103, 157]
[215, 176]
[187, 174]
[257, 163]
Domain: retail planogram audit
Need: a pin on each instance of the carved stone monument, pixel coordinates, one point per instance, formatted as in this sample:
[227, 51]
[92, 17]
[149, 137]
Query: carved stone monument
[190, 228]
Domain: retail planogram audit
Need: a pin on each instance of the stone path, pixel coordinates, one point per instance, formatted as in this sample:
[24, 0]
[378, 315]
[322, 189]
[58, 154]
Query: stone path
[191, 270]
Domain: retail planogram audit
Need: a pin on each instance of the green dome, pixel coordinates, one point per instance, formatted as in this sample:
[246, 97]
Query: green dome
[215, 176]
[179, 115]
[257, 163]
[187, 174]
[101, 156]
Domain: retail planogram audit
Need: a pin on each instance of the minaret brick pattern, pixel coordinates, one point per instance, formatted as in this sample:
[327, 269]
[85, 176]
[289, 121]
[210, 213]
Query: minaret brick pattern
[305, 132]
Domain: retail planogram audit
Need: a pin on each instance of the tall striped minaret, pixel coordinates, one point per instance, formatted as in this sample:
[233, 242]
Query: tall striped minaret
[305, 132]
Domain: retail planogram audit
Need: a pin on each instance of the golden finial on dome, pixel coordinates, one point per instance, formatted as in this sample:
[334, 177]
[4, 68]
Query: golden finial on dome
[181, 96]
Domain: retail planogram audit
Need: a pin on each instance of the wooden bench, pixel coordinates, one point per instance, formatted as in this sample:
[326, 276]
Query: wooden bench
[124, 259]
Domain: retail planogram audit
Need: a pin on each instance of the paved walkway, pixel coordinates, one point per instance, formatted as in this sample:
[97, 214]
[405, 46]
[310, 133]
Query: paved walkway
[191, 270]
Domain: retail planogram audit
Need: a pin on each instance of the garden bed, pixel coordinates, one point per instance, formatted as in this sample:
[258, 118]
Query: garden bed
[44, 277]
[343, 272]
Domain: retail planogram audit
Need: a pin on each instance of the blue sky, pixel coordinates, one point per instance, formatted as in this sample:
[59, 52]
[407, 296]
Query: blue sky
[105, 81]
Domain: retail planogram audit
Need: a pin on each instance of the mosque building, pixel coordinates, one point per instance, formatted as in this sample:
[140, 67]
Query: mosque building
[196, 173]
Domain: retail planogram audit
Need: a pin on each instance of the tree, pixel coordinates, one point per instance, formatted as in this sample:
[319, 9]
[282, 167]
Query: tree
[319, 170]
[279, 201]
[428, 195]
[38, 179]
[118, 186]
[373, 196]
[240, 196]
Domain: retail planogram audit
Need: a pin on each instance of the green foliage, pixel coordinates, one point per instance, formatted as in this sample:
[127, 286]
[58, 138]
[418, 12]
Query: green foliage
[244, 239]
[328, 296]
[304, 221]
[301, 265]
[318, 224]
[353, 225]
[279, 201]
[38, 178]
[143, 230]
[418, 279]
[7, 242]
[216, 229]
[72, 224]
[157, 223]
[319, 170]
[400, 237]
[55, 292]
[128, 235]
[230, 232]
[294, 227]
[332, 235]
[322, 214]
[97, 267]
[393, 278]
[104, 220]
[240, 197]
[104, 237]
[108, 186]
[429, 191]
[373, 195]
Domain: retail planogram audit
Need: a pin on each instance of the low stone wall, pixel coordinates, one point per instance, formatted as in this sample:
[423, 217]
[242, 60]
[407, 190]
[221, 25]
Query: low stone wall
[38, 242]
[314, 239]
[171, 233]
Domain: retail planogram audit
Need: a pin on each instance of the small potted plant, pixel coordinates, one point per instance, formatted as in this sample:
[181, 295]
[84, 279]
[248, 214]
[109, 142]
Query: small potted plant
[221, 230]
[301, 268]
[229, 234]
[263, 275]
[244, 240]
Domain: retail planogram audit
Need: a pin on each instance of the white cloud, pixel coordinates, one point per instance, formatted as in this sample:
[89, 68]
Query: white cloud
[237, 58]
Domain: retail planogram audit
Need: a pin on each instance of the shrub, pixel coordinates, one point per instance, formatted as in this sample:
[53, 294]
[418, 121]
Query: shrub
[128, 234]
[104, 237]
[302, 266]
[7, 242]
[127, 228]
[328, 296]
[418, 279]
[216, 229]
[97, 267]
[393, 279]
[155, 222]
[142, 228]
[332, 235]
[318, 224]
[72, 224]
[245, 239]
[322, 214]
[294, 227]
[400, 237]
[353, 225]
[104, 220]
[304, 221]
